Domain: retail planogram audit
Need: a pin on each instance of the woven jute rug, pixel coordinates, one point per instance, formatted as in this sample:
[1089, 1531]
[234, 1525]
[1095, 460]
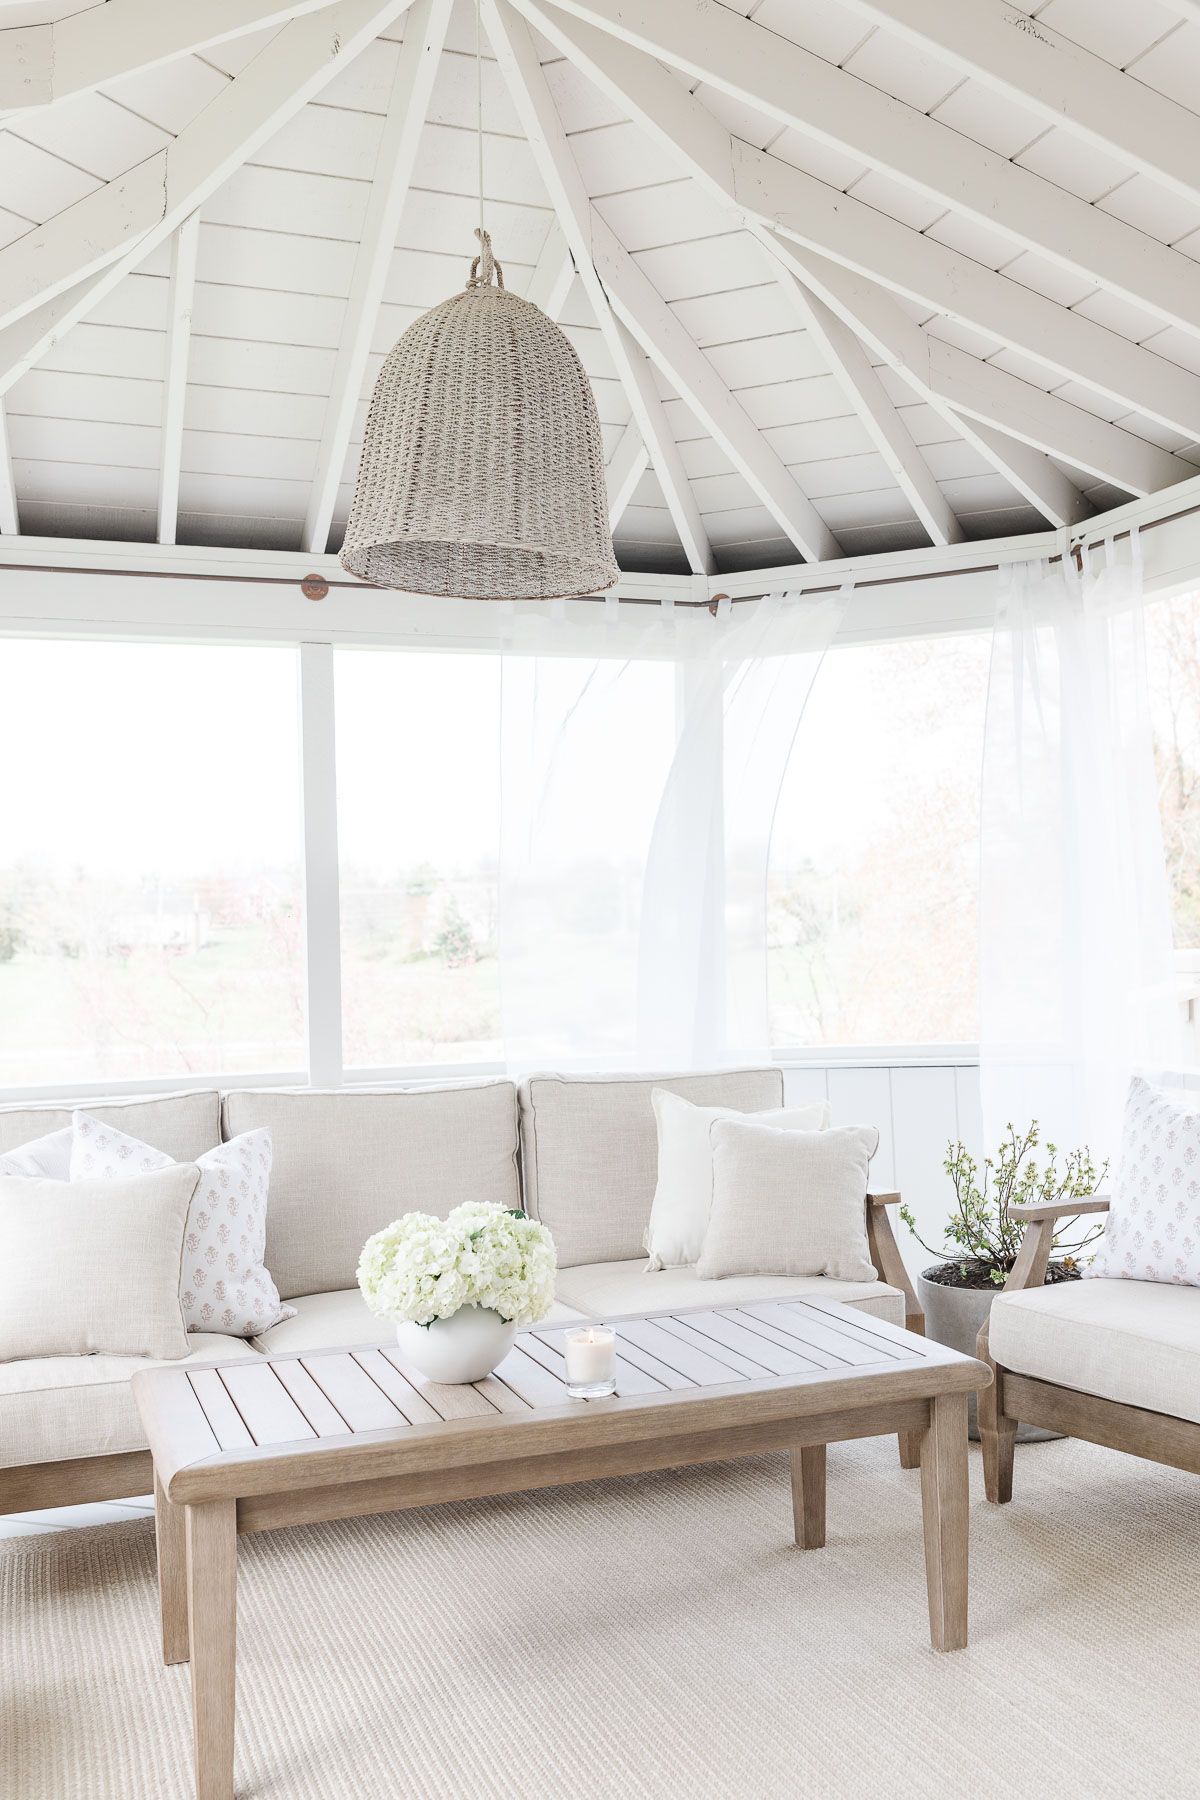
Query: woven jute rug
[656, 1636]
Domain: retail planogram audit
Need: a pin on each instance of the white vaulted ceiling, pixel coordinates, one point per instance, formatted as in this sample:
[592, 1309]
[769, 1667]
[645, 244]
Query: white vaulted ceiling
[847, 275]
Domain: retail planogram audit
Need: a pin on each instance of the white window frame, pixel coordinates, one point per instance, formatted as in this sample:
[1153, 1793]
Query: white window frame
[164, 593]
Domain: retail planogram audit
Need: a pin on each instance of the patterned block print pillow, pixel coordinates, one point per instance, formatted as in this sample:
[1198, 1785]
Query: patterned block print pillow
[223, 1283]
[1152, 1230]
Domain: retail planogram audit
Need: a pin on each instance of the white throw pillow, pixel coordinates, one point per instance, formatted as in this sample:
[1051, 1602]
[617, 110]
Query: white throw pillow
[48, 1156]
[223, 1283]
[683, 1196]
[1152, 1227]
[95, 1270]
[789, 1202]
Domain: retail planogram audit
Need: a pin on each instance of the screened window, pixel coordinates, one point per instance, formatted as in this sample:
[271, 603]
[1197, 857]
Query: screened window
[873, 897]
[418, 830]
[150, 893]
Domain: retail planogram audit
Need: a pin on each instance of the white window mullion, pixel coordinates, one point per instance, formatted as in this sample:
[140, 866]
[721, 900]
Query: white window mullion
[322, 907]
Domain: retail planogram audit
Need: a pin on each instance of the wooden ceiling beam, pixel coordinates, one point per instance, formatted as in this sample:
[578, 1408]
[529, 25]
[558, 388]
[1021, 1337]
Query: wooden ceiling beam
[1030, 63]
[179, 337]
[408, 104]
[9, 522]
[626, 466]
[762, 188]
[40, 64]
[852, 370]
[797, 89]
[518, 61]
[110, 231]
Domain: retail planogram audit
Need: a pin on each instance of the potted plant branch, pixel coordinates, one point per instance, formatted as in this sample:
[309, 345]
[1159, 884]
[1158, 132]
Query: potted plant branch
[982, 1237]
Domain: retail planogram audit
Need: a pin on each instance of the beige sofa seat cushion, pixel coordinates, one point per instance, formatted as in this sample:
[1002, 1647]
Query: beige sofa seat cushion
[1137, 1342]
[56, 1408]
[611, 1290]
[182, 1126]
[589, 1151]
[340, 1320]
[345, 1165]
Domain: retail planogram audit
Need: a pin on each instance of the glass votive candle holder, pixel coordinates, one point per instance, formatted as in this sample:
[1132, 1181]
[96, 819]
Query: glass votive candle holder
[591, 1354]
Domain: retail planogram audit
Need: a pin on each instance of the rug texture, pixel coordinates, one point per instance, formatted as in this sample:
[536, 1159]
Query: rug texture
[655, 1636]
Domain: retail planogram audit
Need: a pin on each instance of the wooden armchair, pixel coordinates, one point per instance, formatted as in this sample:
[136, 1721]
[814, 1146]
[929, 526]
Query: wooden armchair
[889, 1266]
[1151, 1322]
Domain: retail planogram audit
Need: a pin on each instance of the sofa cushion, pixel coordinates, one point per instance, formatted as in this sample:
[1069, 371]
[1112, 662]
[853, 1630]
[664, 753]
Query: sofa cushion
[1137, 1342]
[56, 1408]
[183, 1126]
[589, 1151]
[612, 1290]
[347, 1164]
[340, 1320]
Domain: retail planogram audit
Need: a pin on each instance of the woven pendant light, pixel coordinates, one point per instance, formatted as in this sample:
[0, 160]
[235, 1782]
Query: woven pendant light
[482, 471]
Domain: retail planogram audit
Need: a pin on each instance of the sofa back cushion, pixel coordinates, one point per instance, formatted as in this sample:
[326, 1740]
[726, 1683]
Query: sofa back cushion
[347, 1164]
[589, 1151]
[182, 1126]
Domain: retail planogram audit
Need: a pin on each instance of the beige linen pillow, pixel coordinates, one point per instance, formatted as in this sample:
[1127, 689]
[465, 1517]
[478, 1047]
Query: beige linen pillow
[93, 1267]
[679, 1216]
[789, 1202]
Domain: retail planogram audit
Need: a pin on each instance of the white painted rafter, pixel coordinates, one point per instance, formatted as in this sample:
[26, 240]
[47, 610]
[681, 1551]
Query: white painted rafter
[803, 92]
[1030, 63]
[9, 521]
[408, 103]
[852, 370]
[626, 466]
[179, 337]
[43, 63]
[91, 245]
[959, 385]
[551, 280]
[763, 189]
[518, 61]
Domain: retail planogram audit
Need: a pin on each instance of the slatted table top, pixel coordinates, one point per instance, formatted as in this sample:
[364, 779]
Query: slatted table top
[241, 1428]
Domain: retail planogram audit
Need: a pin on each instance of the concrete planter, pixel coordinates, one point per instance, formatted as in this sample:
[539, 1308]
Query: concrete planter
[954, 1316]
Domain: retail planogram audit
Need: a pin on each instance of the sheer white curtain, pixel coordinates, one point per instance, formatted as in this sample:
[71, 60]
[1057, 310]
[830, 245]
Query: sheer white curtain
[1076, 982]
[642, 755]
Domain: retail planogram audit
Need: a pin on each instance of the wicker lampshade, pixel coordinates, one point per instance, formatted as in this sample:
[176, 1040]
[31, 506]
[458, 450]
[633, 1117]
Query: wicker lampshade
[482, 471]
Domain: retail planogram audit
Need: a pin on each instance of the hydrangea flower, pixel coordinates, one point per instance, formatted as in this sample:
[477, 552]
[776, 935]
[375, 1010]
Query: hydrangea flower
[421, 1268]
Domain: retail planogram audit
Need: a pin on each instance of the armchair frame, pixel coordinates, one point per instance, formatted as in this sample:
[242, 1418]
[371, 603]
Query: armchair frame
[889, 1266]
[1014, 1398]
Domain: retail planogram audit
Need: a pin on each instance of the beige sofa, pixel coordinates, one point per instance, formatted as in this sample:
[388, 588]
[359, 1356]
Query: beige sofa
[580, 1152]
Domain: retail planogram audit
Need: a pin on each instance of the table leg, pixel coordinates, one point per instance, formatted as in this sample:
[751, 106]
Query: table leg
[172, 1575]
[212, 1618]
[945, 1511]
[808, 1495]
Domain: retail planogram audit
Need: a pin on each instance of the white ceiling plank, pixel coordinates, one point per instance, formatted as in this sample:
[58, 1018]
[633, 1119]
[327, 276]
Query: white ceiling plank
[1031, 473]
[113, 229]
[9, 522]
[866, 240]
[862, 387]
[626, 466]
[179, 337]
[1029, 62]
[416, 71]
[756, 66]
[553, 274]
[43, 63]
[941, 372]
[519, 64]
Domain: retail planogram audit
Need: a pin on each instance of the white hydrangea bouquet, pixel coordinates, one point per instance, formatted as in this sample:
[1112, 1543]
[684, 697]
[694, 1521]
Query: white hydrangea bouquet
[458, 1288]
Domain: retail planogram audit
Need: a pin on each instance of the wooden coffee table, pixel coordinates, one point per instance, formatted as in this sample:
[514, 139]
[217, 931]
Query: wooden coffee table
[333, 1433]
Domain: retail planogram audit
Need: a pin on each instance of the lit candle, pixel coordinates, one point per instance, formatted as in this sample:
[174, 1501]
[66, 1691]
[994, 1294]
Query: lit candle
[591, 1353]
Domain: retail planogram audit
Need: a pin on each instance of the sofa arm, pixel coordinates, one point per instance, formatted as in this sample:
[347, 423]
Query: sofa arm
[1033, 1258]
[889, 1264]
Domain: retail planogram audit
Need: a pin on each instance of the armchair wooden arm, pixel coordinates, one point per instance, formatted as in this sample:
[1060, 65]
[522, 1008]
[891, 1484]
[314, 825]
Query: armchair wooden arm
[883, 1199]
[1029, 1270]
[1059, 1209]
[885, 1254]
